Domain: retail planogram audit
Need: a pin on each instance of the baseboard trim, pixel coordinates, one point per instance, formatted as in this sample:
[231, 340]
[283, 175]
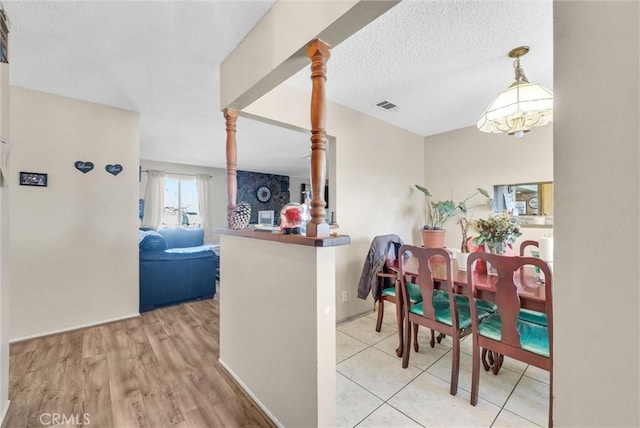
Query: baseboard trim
[247, 392]
[78, 327]
[4, 412]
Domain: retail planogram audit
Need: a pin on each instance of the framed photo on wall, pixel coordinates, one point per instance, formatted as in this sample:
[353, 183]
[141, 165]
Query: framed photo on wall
[33, 179]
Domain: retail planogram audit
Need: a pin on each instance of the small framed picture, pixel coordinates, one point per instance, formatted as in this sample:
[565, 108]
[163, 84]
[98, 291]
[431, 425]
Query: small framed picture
[33, 179]
[265, 218]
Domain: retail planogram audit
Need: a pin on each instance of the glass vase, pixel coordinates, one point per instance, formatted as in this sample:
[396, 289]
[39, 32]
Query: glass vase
[498, 248]
[291, 219]
[306, 211]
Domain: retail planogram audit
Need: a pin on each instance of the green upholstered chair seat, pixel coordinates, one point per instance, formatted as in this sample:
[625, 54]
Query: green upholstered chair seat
[414, 292]
[533, 337]
[533, 316]
[483, 305]
[443, 311]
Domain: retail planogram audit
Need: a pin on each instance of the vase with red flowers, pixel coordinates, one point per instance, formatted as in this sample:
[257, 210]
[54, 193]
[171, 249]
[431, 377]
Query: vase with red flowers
[291, 219]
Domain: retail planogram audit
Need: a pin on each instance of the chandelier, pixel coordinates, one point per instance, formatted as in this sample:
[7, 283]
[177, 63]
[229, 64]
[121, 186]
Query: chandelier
[519, 108]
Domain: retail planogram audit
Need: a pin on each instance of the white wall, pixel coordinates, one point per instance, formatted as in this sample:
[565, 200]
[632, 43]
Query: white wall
[597, 194]
[458, 162]
[4, 243]
[217, 191]
[73, 244]
[375, 166]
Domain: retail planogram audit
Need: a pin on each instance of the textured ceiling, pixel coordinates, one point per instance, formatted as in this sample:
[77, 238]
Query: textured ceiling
[442, 62]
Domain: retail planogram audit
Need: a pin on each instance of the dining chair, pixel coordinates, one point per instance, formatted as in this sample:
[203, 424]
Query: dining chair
[525, 244]
[439, 309]
[488, 358]
[387, 282]
[504, 332]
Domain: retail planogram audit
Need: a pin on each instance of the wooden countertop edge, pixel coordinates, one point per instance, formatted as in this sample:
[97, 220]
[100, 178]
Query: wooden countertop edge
[329, 241]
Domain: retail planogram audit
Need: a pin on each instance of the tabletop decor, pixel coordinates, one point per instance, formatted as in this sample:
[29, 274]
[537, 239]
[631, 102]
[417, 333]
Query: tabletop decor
[496, 232]
[239, 218]
[291, 219]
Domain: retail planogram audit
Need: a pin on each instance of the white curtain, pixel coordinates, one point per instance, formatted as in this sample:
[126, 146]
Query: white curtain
[203, 184]
[153, 199]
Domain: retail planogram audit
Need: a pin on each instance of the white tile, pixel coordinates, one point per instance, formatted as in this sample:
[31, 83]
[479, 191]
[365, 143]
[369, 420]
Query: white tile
[364, 329]
[506, 419]
[530, 400]
[425, 356]
[493, 388]
[427, 401]
[537, 374]
[353, 403]
[379, 373]
[346, 346]
[388, 417]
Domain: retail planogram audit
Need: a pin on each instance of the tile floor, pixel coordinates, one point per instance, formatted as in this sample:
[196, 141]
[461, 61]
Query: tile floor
[373, 390]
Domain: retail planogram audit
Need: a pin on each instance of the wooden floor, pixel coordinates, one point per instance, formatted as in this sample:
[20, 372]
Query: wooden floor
[157, 370]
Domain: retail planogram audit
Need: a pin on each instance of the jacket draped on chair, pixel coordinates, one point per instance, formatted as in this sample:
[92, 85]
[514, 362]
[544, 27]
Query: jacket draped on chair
[373, 264]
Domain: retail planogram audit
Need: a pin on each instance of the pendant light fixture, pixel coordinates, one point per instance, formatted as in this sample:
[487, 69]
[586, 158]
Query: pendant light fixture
[521, 107]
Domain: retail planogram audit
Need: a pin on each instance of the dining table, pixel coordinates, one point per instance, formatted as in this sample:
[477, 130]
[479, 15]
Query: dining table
[531, 289]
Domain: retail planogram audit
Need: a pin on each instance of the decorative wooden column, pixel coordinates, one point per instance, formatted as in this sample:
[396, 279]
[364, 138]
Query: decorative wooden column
[231, 116]
[318, 53]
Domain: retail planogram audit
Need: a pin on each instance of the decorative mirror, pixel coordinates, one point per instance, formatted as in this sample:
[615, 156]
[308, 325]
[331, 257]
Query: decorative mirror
[533, 202]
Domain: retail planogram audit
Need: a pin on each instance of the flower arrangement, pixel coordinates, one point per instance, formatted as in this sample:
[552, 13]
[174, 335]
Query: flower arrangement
[438, 213]
[497, 232]
[291, 219]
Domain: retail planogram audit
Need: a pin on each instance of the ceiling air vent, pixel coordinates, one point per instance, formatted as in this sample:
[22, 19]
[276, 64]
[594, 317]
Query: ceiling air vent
[387, 105]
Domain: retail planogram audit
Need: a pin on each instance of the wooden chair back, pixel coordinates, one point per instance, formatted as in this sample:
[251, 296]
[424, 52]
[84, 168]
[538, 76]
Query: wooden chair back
[523, 247]
[421, 258]
[525, 244]
[508, 307]
[386, 278]
[424, 261]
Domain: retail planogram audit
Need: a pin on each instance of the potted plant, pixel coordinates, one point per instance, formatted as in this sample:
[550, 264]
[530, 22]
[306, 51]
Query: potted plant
[438, 213]
[465, 223]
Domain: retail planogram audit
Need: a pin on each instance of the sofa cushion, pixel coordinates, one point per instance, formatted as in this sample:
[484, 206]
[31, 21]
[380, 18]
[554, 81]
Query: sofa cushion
[164, 256]
[181, 238]
[150, 240]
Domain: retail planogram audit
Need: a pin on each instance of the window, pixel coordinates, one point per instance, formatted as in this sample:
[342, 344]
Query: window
[180, 203]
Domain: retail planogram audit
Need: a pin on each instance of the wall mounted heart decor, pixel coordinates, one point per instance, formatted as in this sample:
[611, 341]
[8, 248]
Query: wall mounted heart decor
[114, 169]
[83, 167]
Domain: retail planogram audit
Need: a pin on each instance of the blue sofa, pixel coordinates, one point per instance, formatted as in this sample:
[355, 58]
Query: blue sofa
[175, 266]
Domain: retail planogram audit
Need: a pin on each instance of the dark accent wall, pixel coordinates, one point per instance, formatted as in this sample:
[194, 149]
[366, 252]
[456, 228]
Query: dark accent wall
[249, 182]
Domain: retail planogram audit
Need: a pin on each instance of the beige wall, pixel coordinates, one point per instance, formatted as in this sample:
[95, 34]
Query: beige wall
[458, 162]
[4, 243]
[217, 192]
[597, 249]
[73, 247]
[375, 166]
[278, 336]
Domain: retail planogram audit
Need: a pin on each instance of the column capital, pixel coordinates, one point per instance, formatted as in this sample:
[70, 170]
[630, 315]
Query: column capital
[318, 48]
